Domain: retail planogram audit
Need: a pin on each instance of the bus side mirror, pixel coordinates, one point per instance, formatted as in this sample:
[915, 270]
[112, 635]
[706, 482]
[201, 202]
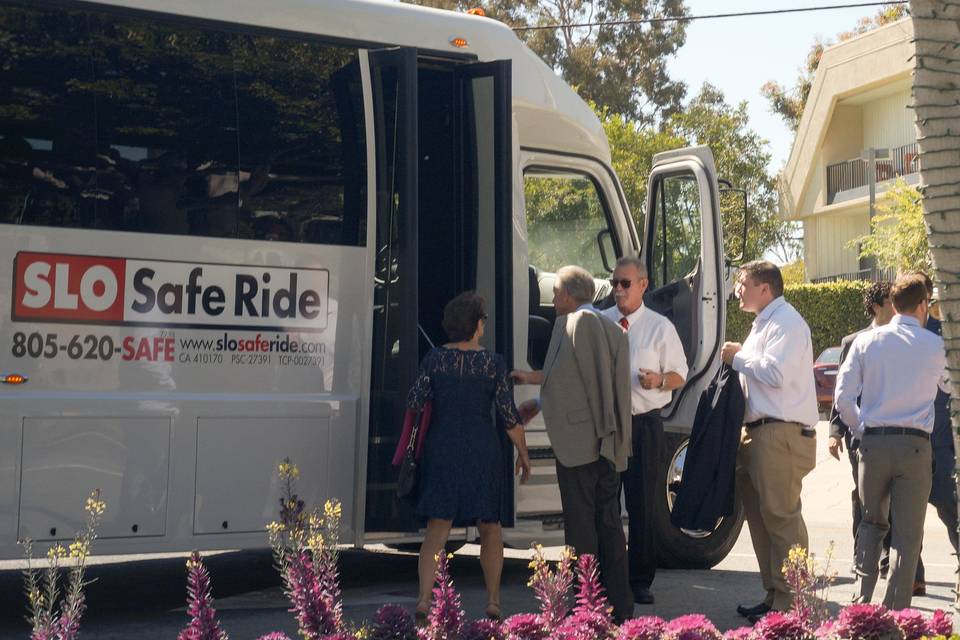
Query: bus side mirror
[605, 242]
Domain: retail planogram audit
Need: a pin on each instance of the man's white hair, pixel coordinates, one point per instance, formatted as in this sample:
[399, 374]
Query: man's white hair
[629, 261]
[577, 282]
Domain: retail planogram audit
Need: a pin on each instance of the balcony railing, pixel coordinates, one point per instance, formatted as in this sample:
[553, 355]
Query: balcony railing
[852, 174]
[868, 275]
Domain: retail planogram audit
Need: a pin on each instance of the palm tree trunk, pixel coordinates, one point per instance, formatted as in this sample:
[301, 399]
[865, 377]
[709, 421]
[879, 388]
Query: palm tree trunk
[936, 101]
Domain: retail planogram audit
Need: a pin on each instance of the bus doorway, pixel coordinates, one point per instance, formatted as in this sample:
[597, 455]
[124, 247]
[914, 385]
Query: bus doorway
[442, 227]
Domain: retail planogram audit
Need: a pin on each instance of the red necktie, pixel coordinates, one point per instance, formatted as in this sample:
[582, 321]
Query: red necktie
[624, 323]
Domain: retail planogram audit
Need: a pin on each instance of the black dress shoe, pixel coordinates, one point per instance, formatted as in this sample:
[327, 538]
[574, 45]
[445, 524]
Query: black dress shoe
[642, 595]
[755, 618]
[756, 610]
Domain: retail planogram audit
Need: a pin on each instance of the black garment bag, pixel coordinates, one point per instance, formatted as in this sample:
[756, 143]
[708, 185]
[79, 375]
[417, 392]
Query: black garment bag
[706, 491]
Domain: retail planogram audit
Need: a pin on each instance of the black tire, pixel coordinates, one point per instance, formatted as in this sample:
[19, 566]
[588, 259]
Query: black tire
[677, 549]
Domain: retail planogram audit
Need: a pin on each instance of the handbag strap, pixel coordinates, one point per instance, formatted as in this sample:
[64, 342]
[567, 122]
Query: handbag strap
[412, 444]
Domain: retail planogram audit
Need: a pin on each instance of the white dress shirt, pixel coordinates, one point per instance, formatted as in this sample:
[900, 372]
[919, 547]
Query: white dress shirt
[894, 370]
[776, 367]
[654, 345]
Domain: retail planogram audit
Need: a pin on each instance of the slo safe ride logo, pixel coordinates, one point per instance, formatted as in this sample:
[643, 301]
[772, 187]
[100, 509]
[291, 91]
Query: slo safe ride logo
[56, 287]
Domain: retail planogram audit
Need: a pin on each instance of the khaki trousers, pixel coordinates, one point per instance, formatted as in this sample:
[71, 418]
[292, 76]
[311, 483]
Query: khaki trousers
[895, 478]
[771, 463]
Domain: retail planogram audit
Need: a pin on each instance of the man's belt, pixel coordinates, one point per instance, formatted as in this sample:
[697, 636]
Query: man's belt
[897, 431]
[804, 430]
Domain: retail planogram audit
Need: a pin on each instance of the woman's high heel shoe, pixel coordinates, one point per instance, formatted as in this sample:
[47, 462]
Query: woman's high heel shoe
[493, 611]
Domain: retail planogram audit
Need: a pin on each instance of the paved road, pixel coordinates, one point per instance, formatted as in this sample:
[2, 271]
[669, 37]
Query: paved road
[144, 598]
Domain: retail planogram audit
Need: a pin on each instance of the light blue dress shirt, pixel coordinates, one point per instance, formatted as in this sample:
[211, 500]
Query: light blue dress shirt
[895, 370]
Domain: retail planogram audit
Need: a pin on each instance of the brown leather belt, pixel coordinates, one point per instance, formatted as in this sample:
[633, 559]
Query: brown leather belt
[804, 431]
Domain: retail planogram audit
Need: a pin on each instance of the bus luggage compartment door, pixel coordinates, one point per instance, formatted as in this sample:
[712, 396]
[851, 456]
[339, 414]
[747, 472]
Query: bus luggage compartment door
[238, 486]
[65, 459]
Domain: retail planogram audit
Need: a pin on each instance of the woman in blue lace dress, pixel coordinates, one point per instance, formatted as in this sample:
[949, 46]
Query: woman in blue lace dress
[462, 469]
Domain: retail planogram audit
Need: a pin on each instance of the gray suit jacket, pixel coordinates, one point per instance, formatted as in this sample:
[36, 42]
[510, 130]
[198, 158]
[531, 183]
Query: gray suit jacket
[585, 396]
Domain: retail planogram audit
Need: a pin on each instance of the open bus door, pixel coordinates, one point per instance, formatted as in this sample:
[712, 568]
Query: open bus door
[443, 225]
[684, 255]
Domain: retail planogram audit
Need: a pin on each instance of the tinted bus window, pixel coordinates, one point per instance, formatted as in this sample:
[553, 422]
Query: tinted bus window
[129, 124]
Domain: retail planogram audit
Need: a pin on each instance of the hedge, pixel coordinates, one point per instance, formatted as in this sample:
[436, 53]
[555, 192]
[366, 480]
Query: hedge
[832, 309]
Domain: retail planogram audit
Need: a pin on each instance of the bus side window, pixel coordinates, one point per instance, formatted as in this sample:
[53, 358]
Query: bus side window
[565, 217]
[124, 123]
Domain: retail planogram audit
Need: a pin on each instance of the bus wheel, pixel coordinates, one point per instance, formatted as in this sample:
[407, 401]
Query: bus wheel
[684, 548]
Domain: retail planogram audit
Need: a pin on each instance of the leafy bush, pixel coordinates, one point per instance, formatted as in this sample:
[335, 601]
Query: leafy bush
[832, 310]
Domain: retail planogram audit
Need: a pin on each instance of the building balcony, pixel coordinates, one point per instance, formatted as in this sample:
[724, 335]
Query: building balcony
[867, 275]
[848, 180]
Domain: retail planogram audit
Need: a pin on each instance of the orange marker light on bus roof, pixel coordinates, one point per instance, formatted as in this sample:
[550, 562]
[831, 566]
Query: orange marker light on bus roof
[458, 42]
[13, 378]
[477, 11]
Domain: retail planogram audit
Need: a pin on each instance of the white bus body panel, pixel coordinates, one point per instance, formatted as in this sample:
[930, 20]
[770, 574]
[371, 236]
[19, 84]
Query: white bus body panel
[169, 434]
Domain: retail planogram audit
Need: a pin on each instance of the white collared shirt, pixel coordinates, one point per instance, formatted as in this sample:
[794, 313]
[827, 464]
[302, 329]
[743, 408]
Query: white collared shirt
[654, 345]
[776, 367]
[894, 370]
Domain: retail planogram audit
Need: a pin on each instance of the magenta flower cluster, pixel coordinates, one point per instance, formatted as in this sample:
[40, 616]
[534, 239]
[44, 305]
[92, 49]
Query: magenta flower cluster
[445, 620]
[392, 622]
[311, 602]
[203, 617]
[694, 626]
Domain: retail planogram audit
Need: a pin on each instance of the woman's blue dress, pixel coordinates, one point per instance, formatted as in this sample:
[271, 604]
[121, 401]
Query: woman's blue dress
[467, 460]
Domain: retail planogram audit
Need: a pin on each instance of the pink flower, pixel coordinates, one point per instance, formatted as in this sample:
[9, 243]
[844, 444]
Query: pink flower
[866, 622]
[585, 625]
[826, 631]
[782, 626]
[203, 617]
[392, 622]
[482, 630]
[590, 596]
[274, 635]
[940, 624]
[911, 623]
[740, 633]
[446, 616]
[694, 626]
[311, 604]
[642, 628]
[524, 626]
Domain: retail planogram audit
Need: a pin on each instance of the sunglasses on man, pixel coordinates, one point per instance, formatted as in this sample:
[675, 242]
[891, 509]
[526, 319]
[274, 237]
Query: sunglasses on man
[623, 282]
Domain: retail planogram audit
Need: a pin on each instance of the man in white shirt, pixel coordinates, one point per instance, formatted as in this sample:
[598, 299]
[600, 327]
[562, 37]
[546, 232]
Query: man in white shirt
[658, 365]
[895, 371]
[778, 445]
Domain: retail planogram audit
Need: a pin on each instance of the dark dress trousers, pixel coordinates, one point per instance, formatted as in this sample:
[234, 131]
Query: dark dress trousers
[706, 490]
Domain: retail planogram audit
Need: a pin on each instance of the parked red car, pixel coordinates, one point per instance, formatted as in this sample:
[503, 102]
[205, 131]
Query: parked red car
[825, 375]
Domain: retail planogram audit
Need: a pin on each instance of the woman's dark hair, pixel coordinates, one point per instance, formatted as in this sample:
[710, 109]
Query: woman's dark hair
[462, 314]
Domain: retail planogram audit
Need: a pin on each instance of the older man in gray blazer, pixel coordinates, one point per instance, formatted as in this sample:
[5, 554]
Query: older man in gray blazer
[585, 398]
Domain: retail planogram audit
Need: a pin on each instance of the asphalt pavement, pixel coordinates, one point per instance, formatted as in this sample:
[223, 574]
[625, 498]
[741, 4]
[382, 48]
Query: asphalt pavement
[144, 597]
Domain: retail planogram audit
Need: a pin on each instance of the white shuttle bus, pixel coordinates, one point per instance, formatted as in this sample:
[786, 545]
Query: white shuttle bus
[227, 233]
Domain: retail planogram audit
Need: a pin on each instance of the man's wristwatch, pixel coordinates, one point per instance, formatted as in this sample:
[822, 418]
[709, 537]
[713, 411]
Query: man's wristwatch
[663, 381]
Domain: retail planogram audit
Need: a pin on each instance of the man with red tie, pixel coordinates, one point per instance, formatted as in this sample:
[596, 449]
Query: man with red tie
[658, 365]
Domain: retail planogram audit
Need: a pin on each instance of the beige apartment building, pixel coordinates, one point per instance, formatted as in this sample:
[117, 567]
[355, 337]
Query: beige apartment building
[860, 100]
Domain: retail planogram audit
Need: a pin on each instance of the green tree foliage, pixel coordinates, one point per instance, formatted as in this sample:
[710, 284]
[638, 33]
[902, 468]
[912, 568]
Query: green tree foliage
[621, 68]
[788, 102]
[898, 234]
[793, 273]
[742, 157]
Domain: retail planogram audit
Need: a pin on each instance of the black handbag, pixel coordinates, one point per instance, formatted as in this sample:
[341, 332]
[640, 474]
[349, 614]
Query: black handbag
[408, 480]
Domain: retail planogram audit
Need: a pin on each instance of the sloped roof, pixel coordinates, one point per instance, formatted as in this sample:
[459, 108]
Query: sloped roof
[846, 69]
